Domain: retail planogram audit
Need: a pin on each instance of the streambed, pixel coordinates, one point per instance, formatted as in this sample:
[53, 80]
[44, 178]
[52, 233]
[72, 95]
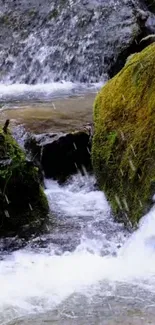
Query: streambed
[63, 114]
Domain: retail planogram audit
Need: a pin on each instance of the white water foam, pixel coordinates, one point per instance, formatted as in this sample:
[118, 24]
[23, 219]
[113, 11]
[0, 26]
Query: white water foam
[35, 282]
[44, 91]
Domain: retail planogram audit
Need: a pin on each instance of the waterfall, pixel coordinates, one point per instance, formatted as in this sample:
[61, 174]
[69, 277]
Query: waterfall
[64, 40]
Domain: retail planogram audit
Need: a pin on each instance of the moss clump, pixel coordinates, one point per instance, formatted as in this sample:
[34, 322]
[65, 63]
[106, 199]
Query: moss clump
[23, 205]
[53, 14]
[123, 151]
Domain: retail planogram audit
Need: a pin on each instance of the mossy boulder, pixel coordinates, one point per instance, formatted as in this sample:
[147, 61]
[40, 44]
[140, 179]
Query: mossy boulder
[123, 151]
[23, 205]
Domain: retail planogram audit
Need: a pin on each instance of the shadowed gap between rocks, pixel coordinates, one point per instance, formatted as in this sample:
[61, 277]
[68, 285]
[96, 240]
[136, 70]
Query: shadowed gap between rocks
[60, 155]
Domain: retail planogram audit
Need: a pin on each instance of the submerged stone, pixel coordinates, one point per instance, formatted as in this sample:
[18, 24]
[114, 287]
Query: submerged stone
[124, 141]
[23, 205]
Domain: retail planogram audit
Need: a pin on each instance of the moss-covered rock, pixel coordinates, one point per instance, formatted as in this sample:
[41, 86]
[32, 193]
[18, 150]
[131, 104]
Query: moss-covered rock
[23, 205]
[124, 141]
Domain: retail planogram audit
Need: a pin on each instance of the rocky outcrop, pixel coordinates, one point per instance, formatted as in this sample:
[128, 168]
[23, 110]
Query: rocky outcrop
[124, 141]
[60, 155]
[42, 41]
[23, 205]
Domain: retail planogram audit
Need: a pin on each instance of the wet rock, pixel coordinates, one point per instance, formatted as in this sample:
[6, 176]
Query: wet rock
[23, 205]
[136, 46]
[123, 144]
[150, 5]
[60, 155]
[42, 41]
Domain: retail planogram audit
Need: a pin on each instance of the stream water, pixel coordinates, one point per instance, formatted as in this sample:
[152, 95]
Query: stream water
[88, 270]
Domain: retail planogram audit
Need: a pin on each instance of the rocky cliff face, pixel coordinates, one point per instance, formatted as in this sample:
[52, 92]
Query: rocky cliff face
[44, 41]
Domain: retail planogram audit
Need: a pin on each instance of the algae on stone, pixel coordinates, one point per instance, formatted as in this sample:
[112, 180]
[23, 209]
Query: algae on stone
[123, 151]
[23, 205]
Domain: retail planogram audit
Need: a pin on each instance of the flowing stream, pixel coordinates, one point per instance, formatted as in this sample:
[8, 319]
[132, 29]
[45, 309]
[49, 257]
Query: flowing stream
[88, 270]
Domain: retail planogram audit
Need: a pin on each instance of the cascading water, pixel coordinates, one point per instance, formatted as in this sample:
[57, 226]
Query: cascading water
[75, 41]
[88, 271]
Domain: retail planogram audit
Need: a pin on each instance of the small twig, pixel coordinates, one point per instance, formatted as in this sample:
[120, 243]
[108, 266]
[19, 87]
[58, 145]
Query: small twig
[5, 127]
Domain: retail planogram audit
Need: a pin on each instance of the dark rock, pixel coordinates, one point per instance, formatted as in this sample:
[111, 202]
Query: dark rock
[60, 155]
[150, 5]
[137, 46]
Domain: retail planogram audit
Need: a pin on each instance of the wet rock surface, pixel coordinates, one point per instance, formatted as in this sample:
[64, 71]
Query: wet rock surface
[150, 5]
[76, 41]
[60, 155]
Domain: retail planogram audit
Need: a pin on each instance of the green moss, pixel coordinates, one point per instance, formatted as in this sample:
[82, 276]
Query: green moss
[53, 14]
[9, 150]
[22, 200]
[124, 142]
[32, 12]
